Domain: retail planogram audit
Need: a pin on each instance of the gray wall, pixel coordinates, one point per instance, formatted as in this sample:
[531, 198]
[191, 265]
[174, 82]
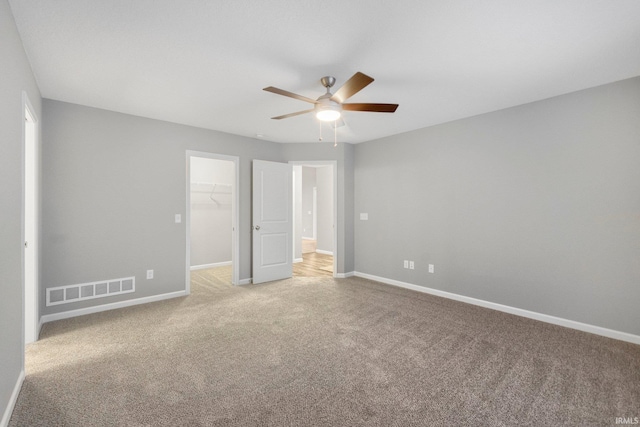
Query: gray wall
[15, 76]
[324, 184]
[112, 184]
[535, 207]
[211, 213]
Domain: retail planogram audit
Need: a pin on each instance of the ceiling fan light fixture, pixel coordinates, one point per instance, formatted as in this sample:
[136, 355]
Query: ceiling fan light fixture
[328, 115]
[327, 110]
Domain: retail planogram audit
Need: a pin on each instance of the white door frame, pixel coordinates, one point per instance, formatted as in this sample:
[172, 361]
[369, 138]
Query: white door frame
[334, 165]
[235, 202]
[30, 220]
[314, 211]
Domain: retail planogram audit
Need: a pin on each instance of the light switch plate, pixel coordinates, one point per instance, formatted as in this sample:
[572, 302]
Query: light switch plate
[178, 218]
[364, 216]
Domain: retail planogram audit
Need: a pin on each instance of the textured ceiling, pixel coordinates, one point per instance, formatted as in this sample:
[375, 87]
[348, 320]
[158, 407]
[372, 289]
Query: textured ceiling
[204, 63]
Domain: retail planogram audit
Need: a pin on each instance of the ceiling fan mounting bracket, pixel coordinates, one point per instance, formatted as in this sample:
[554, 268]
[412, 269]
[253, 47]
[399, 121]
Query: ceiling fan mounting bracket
[328, 82]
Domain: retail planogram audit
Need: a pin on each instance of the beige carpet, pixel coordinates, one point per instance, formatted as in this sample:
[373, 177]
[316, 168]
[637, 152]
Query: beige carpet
[322, 352]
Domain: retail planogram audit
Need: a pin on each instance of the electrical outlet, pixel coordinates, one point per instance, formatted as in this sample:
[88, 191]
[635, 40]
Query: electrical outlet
[149, 274]
[406, 264]
[411, 265]
[431, 268]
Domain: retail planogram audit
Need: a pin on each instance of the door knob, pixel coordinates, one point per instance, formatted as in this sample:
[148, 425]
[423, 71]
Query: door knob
[257, 227]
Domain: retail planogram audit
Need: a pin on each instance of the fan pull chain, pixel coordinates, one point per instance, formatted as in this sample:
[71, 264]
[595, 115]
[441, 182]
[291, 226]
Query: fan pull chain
[320, 124]
[335, 133]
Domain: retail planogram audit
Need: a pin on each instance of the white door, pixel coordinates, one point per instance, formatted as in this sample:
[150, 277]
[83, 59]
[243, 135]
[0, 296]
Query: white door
[272, 222]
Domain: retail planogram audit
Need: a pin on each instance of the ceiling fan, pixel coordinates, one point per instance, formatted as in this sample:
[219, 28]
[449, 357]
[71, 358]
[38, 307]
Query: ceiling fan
[329, 107]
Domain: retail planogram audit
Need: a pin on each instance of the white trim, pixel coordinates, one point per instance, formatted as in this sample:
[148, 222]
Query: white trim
[235, 219]
[572, 324]
[6, 417]
[344, 275]
[33, 300]
[111, 306]
[212, 265]
[295, 260]
[294, 243]
[323, 252]
[314, 210]
[245, 281]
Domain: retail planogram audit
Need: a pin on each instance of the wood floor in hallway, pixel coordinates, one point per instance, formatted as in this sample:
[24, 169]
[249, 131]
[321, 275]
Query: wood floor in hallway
[313, 265]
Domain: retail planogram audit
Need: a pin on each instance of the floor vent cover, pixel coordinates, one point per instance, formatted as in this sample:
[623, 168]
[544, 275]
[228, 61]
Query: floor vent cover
[84, 291]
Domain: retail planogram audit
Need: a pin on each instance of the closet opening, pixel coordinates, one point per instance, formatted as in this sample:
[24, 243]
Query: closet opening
[212, 218]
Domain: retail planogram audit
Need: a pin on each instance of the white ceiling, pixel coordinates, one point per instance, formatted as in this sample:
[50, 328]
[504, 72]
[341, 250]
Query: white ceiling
[204, 62]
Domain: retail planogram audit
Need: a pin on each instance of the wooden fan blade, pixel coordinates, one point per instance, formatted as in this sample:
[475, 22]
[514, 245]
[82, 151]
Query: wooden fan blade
[355, 84]
[376, 108]
[292, 114]
[289, 94]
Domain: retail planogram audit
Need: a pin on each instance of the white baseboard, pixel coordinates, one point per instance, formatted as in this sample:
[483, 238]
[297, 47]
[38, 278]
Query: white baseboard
[344, 275]
[297, 260]
[212, 265]
[609, 333]
[244, 282]
[6, 417]
[111, 306]
[308, 238]
[321, 251]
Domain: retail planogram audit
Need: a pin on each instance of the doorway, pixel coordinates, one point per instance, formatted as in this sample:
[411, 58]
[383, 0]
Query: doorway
[211, 220]
[315, 214]
[30, 222]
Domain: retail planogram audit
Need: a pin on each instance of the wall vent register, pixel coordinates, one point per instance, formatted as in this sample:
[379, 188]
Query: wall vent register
[85, 291]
